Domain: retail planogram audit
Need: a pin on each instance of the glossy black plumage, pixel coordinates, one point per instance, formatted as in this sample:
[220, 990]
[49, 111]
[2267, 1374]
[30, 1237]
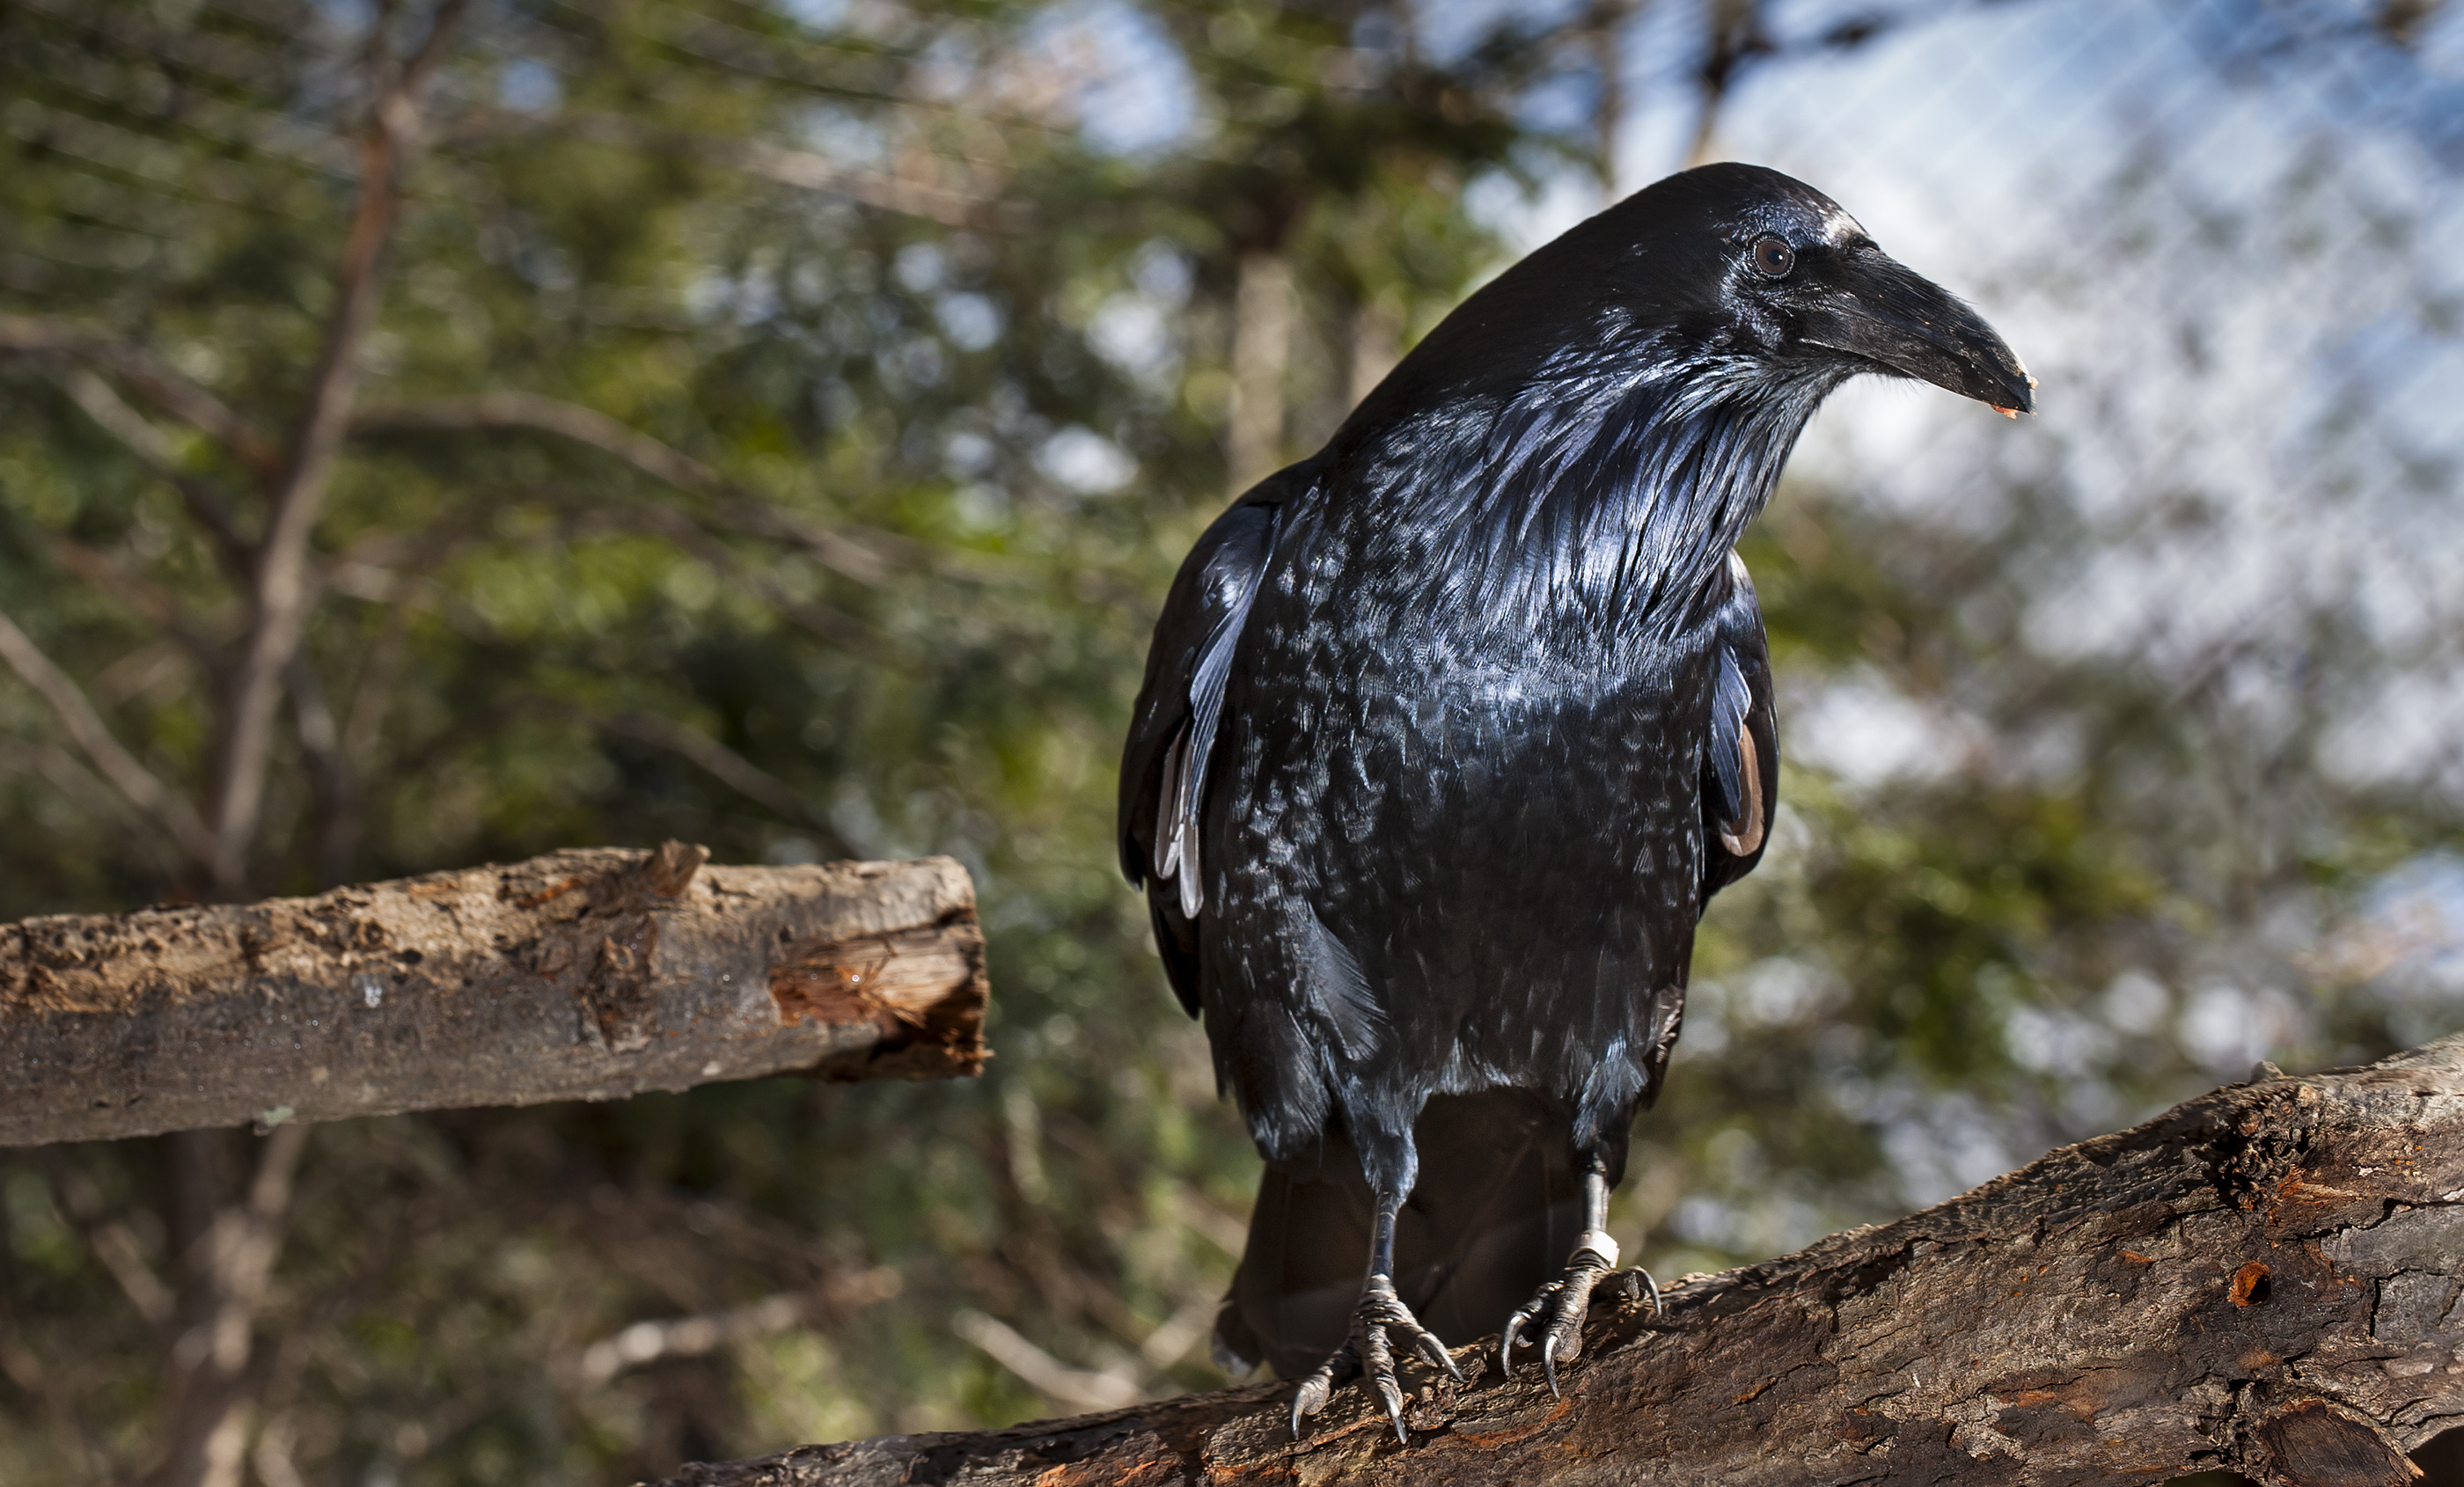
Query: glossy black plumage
[1450, 731]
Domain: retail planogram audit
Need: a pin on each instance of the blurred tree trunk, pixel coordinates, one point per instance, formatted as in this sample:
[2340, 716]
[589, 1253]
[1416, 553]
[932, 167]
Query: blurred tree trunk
[232, 1226]
[1262, 315]
[1376, 345]
[224, 1265]
[280, 589]
[1732, 36]
[1604, 27]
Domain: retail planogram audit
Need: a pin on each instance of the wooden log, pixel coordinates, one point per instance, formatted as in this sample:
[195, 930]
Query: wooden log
[586, 974]
[2265, 1279]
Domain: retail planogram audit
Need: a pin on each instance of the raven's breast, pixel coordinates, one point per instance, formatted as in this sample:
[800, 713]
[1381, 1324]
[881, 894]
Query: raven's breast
[1499, 822]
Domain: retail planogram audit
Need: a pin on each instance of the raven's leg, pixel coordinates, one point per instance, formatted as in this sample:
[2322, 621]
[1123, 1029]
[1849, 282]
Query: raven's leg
[1563, 1301]
[1366, 1350]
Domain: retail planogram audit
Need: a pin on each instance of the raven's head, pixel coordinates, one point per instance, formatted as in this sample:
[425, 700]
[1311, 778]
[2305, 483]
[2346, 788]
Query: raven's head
[1745, 262]
[1596, 426]
[1730, 268]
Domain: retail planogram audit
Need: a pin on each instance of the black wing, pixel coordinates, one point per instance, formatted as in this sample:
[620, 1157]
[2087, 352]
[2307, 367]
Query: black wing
[1741, 759]
[1179, 710]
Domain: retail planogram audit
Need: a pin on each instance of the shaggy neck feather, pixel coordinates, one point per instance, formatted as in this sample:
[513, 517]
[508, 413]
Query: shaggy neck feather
[1595, 494]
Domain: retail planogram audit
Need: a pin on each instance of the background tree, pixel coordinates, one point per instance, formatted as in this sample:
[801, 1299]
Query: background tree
[436, 433]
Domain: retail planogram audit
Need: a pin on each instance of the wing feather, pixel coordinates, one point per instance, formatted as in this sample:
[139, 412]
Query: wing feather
[1167, 841]
[1740, 756]
[1179, 713]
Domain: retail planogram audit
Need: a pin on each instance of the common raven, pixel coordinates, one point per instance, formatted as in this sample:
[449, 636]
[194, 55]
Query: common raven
[1450, 731]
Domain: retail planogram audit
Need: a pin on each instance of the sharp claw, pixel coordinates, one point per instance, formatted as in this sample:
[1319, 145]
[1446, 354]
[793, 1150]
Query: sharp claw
[1524, 1316]
[1562, 1305]
[1651, 1286]
[1393, 1394]
[1376, 1325]
[1433, 1352]
[1315, 1390]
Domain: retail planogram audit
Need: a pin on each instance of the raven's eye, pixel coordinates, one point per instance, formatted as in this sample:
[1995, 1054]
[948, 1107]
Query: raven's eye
[1773, 258]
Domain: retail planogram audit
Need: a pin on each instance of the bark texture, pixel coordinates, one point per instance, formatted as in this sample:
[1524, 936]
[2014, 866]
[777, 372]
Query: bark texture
[2265, 1279]
[588, 975]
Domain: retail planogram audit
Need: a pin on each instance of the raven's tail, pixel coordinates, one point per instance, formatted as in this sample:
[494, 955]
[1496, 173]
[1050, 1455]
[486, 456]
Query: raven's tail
[1492, 1217]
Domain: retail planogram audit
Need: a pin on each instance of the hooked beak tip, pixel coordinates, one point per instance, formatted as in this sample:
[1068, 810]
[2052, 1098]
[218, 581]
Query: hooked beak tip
[1883, 314]
[2016, 399]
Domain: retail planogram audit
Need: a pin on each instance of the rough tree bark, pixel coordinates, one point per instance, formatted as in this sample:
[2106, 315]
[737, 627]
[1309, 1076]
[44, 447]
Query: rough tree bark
[580, 976]
[2264, 1279]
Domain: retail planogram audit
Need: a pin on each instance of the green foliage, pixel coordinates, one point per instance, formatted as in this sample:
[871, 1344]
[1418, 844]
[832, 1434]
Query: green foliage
[936, 392]
[891, 600]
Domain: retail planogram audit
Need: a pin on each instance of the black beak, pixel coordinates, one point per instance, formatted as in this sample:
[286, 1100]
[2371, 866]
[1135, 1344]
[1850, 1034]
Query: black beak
[1872, 308]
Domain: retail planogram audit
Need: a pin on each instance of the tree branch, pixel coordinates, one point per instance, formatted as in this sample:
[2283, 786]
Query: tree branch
[580, 976]
[582, 517]
[2264, 1279]
[113, 1242]
[160, 385]
[60, 770]
[904, 194]
[865, 554]
[161, 607]
[819, 619]
[694, 1337]
[206, 507]
[724, 764]
[115, 763]
[530, 412]
[1050, 1377]
[539, 414]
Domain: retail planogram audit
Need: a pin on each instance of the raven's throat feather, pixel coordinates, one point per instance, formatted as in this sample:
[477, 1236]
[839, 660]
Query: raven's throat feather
[1609, 489]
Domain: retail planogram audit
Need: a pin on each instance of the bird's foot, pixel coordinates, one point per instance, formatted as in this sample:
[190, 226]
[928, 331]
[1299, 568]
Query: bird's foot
[1367, 1350]
[1559, 1307]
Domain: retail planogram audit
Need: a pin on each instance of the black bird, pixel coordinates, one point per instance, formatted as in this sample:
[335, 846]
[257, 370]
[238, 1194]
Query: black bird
[1449, 732]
